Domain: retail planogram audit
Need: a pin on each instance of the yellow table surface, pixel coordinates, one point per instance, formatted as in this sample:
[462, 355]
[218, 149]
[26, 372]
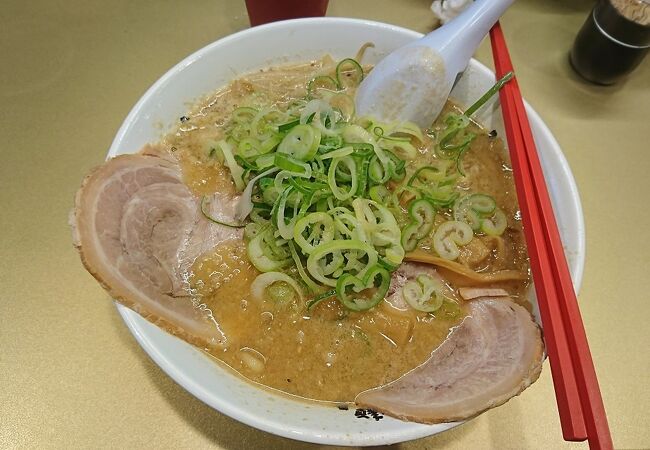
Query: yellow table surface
[71, 374]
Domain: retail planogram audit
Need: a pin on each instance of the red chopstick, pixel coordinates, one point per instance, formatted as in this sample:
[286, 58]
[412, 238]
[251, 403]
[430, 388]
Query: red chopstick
[580, 405]
[564, 379]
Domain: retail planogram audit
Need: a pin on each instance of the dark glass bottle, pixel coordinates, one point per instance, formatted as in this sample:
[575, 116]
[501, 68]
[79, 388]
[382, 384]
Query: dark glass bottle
[613, 41]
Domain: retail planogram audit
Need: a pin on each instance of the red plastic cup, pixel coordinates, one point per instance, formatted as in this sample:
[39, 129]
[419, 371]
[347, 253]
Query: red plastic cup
[265, 11]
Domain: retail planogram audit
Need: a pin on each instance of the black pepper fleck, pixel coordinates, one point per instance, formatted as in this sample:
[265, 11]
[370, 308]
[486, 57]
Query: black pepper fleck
[184, 119]
[289, 380]
[493, 133]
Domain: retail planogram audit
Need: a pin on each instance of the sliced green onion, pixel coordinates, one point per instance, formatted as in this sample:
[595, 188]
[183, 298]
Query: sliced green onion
[236, 172]
[448, 236]
[349, 163]
[354, 134]
[319, 298]
[377, 172]
[381, 228]
[424, 293]
[248, 147]
[363, 162]
[363, 150]
[287, 126]
[294, 165]
[265, 123]
[301, 142]
[257, 250]
[305, 186]
[322, 116]
[422, 212]
[270, 195]
[347, 225]
[362, 294]
[454, 138]
[409, 129]
[281, 293]
[482, 203]
[325, 259]
[496, 225]
[320, 230]
[318, 168]
[275, 248]
[245, 205]
[251, 230]
[239, 132]
[284, 229]
[379, 194]
[328, 143]
[269, 144]
[264, 281]
[433, 183]
[339, 153]
[349, 73]
[404, 150]
[313, 287]
[264, 161]
[409, 237]
[247, 166]
[473, 209]
[428, 174]
[244, 114]
[261, 216]
[485, 97]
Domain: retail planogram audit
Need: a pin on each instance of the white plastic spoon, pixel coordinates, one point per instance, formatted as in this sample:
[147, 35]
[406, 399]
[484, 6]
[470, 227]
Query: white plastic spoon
[413, 82]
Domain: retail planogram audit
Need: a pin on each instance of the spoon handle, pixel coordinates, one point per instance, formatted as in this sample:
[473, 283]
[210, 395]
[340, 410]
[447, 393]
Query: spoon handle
[457, 40]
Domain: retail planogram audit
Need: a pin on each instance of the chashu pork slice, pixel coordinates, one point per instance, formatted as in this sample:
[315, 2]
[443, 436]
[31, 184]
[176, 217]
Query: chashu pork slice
[494, 354]
[138, 229]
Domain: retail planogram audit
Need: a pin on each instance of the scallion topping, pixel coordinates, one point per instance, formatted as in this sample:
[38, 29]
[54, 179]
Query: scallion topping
[330, 201]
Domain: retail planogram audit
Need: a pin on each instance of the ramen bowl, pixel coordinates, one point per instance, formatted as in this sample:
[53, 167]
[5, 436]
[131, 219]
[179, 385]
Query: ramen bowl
[281, 43]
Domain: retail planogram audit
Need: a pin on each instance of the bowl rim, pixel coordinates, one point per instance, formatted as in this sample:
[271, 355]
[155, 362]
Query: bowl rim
[134, 321]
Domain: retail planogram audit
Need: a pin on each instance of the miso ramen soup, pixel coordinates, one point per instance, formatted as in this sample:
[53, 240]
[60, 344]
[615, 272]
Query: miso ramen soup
[337, 204]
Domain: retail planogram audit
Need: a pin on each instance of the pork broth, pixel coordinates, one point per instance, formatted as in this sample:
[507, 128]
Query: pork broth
[329, 352]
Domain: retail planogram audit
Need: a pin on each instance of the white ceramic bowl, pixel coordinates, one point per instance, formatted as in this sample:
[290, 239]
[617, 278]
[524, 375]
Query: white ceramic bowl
[279, 43]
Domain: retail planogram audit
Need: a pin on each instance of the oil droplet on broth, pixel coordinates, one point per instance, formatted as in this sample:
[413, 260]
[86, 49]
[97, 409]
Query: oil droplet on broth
[221, 280]
[205, 179]
[224, 270]
[202, 173]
